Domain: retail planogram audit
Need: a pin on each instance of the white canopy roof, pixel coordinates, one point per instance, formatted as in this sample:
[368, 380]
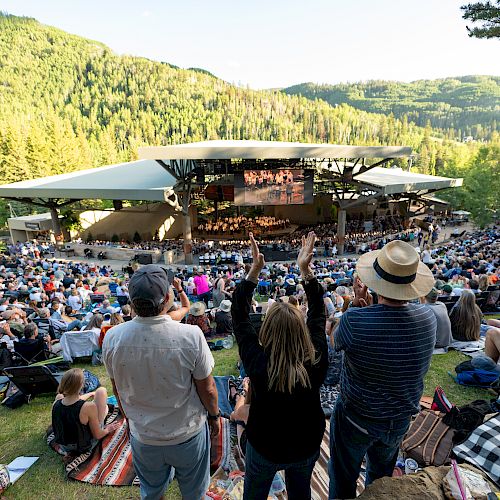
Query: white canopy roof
[136, 180]
[148, 180]
[396, 180]
[224, 150]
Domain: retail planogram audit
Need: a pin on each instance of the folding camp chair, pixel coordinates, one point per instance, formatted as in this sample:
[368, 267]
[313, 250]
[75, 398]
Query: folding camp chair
[45, 327]
[31, 353]
[6, 358]
[34, 380]
[78, 344]
[97, 298]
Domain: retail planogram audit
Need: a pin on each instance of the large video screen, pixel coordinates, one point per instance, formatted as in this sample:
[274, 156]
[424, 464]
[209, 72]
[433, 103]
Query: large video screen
[273, 187]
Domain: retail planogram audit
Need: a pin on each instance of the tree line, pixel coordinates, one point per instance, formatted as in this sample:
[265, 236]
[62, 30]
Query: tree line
[68, 103]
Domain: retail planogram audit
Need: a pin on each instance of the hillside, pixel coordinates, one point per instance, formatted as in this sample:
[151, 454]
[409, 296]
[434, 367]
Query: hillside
[462, 106]
[68, 103]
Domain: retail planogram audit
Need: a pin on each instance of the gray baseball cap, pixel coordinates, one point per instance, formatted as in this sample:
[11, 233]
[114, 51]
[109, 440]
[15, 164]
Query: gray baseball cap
[149, 283]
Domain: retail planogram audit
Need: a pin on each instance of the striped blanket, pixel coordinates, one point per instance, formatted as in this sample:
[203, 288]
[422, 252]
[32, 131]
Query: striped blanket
[320, 479]
[109, 463]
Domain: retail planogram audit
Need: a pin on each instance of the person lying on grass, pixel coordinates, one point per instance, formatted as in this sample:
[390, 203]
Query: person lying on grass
[78, 424]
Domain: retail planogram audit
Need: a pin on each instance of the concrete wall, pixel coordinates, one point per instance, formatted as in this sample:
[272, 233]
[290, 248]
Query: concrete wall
[145, 219]
[114, 253]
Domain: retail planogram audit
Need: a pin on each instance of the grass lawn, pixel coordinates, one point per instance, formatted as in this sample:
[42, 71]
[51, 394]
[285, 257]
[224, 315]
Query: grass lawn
[23, 433]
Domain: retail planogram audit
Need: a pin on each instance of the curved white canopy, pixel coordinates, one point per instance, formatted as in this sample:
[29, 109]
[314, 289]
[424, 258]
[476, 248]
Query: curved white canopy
[226, 150]
[135, 180]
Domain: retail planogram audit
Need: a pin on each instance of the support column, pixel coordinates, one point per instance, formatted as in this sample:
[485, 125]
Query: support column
[56, 224]
[188, 239]
[341, 219]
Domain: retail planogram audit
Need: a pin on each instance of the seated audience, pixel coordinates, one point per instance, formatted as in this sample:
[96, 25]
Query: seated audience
[465, 318]
[198, 317]
[34, 347]
[443, 332]
[78, 424]
[223, 319]
[127, 312]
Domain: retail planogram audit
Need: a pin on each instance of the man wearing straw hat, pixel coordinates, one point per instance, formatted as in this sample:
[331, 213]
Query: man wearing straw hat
[387, 351]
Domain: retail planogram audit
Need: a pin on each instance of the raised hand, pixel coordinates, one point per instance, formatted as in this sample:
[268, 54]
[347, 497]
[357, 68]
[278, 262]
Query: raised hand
[362, 297]
[306, 252]
[177, 284]
[257, 258]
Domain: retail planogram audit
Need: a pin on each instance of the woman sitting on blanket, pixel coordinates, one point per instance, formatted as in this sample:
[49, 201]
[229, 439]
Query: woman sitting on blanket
[286, 363]
[78, 424]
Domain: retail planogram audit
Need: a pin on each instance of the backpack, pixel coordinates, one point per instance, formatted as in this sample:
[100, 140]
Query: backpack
[467, 374]
[91, 382]
[467, 418]
[429, 440]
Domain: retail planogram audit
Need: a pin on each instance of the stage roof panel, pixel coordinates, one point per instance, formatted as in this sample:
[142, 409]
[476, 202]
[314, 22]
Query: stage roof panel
[396, 180]
[136, 180]
[254, 150]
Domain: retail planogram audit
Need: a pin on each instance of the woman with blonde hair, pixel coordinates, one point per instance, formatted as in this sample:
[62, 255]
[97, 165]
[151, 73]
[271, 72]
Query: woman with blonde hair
[78, 424]
[116, 319]
[465, 318]
[286, 363]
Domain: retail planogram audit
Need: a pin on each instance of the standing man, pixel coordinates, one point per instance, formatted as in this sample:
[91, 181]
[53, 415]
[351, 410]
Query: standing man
[387, 351]
[161, 376]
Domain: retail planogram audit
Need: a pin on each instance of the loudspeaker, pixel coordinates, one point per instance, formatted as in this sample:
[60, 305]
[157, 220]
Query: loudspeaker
[145, 258]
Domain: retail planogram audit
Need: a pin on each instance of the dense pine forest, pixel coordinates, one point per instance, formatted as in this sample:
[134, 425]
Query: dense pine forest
[457, 108]
[68, 103]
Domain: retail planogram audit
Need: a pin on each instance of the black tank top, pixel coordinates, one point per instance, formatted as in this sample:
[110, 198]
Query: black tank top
[68, 430]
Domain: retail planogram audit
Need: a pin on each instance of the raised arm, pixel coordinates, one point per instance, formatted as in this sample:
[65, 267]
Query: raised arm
[178, 314]
[316, 317]
[248, 344]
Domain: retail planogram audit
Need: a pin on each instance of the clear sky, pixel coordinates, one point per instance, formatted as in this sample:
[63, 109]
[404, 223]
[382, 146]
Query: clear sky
[277, 43]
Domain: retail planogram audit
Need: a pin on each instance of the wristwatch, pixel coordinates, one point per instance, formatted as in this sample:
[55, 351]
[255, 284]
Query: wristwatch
[308, 276]
[214, 417]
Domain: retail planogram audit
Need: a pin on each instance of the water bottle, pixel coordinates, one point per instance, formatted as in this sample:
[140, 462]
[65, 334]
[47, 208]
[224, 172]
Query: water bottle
[228, 342]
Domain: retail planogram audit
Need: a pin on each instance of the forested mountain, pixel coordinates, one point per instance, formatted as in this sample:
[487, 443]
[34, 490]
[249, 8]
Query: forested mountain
[68, 103]
[460, 107]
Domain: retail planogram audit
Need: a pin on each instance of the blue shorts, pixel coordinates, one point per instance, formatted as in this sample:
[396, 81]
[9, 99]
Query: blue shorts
[154, 465]
[483, 329]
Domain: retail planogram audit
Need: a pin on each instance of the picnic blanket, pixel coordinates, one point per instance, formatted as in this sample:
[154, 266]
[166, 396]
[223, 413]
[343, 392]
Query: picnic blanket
[320, 479]
[108, 464]
[472, 348]
[482, 448]
[231, 459]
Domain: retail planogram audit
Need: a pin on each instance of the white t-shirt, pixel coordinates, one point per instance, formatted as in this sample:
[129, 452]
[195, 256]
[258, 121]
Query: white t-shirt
[426, 257]
[75, 301]
[153, 362]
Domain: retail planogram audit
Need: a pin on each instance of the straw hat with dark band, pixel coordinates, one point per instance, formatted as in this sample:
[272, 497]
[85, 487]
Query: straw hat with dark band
[395, 272]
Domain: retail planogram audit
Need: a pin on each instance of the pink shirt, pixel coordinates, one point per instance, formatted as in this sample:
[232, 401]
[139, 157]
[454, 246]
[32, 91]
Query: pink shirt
[201, 283]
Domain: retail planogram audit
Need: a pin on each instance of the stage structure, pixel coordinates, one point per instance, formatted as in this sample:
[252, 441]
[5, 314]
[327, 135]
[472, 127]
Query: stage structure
[353, 175]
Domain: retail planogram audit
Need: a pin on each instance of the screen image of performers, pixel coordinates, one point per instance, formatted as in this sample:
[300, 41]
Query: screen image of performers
[274, 187]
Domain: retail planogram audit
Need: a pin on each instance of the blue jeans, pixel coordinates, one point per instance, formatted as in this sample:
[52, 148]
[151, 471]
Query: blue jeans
[260, 472]
[154, 466]
[74, 324]
[351, 438]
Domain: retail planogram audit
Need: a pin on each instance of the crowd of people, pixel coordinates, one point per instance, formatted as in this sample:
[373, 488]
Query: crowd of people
[326, 320]
[243, 225]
